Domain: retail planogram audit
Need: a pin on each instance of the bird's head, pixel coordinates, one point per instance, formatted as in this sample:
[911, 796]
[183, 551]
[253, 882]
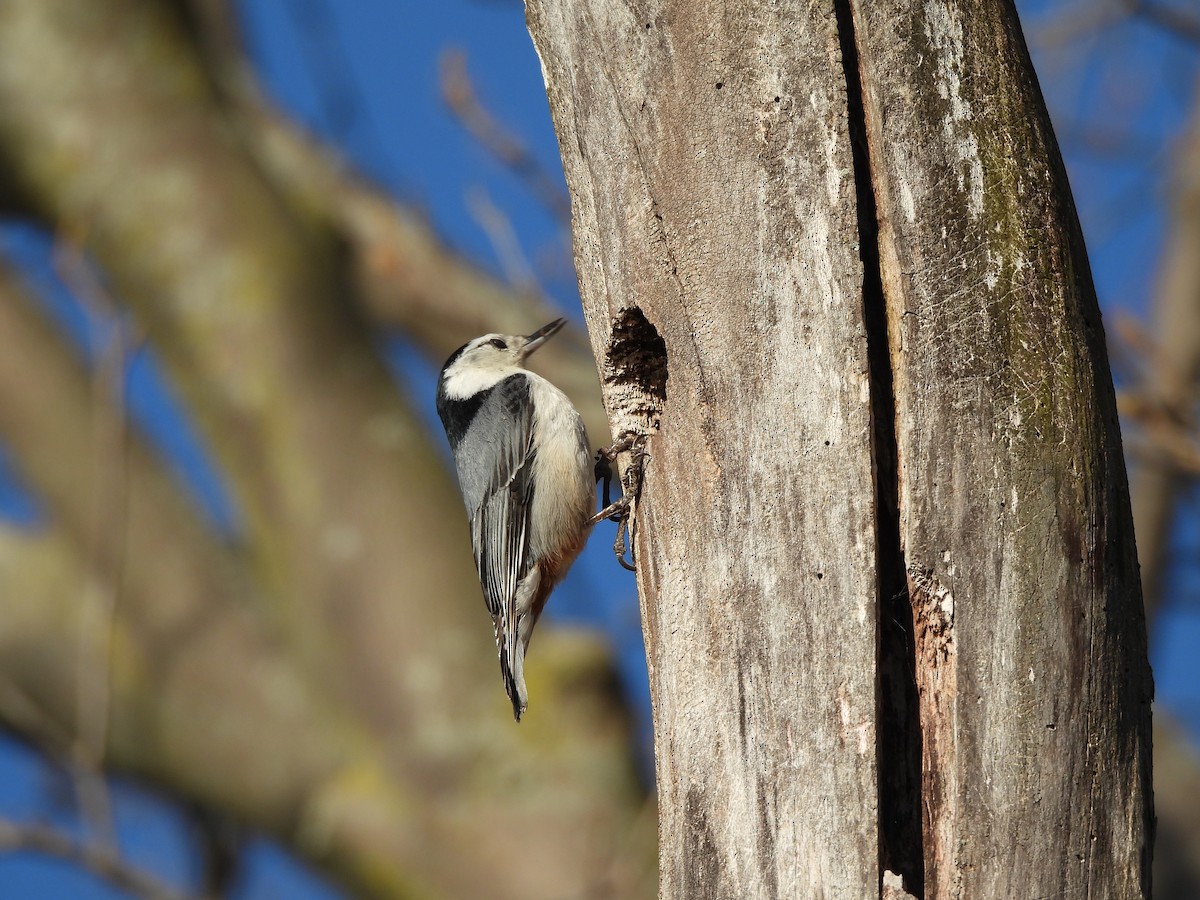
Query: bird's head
[487, 360]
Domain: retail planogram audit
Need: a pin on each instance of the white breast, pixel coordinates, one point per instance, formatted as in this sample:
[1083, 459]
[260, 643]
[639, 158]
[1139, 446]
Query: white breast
[566, 495]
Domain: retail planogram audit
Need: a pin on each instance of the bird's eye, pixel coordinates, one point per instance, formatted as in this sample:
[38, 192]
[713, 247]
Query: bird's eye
[498, 344]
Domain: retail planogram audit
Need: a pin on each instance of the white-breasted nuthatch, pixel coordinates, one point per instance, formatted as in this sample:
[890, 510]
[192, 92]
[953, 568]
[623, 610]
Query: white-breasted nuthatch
[525, 472]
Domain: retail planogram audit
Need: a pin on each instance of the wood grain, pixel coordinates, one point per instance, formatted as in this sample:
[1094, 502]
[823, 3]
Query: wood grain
[708, 156]
[1031, 646]
[766, 199]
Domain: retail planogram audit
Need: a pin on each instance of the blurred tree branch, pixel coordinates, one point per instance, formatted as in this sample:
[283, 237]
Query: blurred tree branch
[404, 276]
[1177, 785]
[1162, 402]
[459, 94]
[1077, 19]
[330, 679]
[96, 858]
[1160, 413]
[1169, 18]
[194, 671]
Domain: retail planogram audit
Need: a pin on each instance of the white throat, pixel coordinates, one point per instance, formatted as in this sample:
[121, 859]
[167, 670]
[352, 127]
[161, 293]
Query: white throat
[463, 381]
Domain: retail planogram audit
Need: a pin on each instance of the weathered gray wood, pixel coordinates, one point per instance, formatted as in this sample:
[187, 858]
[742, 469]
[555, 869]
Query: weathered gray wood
[707, 152]
[1031, 647]
[714, 197]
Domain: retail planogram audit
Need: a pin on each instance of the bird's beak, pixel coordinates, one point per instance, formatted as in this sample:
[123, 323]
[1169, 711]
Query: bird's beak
[543, 334]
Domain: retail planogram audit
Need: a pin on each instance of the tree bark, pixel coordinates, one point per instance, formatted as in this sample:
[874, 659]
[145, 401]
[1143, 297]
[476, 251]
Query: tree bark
[789, 222]
[1031, 655]
[708, 155]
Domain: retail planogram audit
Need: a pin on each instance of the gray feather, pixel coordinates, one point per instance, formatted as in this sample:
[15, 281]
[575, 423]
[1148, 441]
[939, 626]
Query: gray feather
[495, 460]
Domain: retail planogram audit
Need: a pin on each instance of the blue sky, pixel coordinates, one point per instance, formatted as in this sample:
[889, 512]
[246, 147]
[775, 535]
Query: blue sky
[365, 75]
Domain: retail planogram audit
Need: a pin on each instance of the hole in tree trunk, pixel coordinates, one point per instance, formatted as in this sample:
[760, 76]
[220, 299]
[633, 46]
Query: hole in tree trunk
[635, 371]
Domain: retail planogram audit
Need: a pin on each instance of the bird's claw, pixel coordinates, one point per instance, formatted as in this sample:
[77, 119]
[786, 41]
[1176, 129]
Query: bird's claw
[622, 510]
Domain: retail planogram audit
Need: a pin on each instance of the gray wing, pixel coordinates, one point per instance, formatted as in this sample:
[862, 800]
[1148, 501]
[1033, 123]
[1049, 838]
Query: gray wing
[495, 469]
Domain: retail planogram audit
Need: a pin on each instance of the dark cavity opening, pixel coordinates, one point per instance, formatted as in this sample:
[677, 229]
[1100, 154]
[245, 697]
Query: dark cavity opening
[898, 734]
[635, 370]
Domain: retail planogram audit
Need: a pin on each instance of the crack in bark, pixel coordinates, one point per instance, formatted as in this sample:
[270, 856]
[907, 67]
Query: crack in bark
[898, 735]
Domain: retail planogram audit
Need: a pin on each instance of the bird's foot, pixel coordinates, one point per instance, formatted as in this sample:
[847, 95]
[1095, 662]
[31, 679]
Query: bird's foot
[622, 511]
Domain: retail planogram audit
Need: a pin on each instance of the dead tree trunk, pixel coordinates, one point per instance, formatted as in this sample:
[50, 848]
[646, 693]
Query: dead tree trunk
[830, 262]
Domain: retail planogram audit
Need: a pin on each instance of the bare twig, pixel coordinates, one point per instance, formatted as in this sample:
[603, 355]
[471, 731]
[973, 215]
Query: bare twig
[459, 94]
[1074, 21]
[1170, 19]
[340, 95]
[107, 540]
[23, 713]
[102, 861]
[498, 227]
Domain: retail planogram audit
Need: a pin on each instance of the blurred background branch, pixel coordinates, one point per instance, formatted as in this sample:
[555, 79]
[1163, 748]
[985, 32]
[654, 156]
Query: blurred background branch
[459, 93]
[100, 859]
[323, 671]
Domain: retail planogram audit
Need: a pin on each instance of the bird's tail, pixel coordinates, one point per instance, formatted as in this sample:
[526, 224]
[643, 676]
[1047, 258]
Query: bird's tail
[513, 632]
[512, 666]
